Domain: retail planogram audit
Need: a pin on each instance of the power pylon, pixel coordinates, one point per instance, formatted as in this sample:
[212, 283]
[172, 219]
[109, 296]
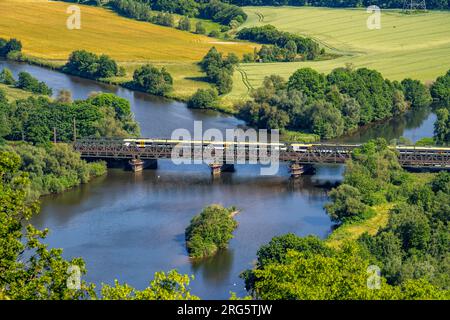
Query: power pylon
[414, 5]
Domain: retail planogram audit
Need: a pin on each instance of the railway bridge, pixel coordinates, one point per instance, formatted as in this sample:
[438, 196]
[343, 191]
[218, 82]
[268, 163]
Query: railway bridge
[221, 157]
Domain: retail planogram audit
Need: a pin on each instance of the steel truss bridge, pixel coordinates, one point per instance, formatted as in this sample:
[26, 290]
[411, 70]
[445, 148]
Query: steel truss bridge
[320, 153]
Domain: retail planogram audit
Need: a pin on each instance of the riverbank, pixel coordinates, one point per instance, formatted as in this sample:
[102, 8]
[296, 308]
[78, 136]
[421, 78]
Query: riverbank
[352, 231]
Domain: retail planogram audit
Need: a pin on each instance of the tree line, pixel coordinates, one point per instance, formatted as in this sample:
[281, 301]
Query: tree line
[222, 12]
[25, 82]
[330, 105]
[431, 4]
[285, 46]
[37, 119]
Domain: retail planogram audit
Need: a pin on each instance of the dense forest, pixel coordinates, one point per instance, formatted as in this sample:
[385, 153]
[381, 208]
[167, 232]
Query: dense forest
[330, 105]
[411, 250]
[431, 4]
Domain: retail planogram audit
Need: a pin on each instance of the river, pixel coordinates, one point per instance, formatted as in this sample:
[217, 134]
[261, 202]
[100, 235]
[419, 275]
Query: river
[128, 226]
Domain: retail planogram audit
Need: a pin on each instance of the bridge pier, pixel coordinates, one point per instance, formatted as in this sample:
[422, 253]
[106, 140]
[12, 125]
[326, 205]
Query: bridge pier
[217, 168]
[137, 165]
[296, 170]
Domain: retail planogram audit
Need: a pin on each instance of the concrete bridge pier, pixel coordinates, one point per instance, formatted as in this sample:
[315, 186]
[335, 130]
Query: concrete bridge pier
[136, 164]
[217, 168]
[296, 170]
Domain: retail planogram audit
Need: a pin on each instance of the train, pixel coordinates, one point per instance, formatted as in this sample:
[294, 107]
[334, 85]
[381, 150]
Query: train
[292, 147]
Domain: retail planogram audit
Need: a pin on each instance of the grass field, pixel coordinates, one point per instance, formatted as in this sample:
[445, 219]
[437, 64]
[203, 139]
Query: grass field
[13, 94]
[416, 46]
[41, 26]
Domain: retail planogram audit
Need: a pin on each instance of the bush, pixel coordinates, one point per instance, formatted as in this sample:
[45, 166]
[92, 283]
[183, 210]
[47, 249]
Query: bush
[6, 47]
[6, 77]
[89, 65]
[29, 83]
[203, 99]
[152, 80]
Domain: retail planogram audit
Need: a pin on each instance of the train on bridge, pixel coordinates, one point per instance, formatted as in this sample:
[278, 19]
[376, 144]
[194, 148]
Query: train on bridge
[280, 146]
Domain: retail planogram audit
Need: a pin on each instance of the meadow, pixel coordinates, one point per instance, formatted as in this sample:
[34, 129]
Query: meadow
[416, 45]
[41, 26]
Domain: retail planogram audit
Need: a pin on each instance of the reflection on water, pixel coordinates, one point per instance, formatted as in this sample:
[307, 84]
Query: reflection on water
[414, 126]
[129, 226]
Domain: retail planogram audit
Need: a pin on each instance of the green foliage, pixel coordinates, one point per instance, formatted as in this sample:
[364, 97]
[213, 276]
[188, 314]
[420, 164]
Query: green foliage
[89, 65]
[28, 83]
[442, 126]
[8, 46]
[42, 274]
[6, 77]
[416, 92]
[219, 70]
[331, 105]
[200, 28]
[347, 205]
[34, 119]
[283, 46]
[184, 24]
[341, 275]
[210, 231]
[170, 286]
[440, 91]
[203, 99]
[152, 80]
[53, 169]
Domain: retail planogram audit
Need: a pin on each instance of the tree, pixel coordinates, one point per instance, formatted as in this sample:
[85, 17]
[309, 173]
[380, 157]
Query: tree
[440, 90]
[184, 24]
[6, 77]
[210, 231]
[170, 286]
[200, 28]
[9, 46]
[347, 205]
[203, 99]
[152, 80]
[309, 81]
[416, 93]
[442, 126]
[64, 96]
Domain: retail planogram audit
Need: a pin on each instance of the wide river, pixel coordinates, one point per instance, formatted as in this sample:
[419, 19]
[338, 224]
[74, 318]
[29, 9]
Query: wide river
[129, 226]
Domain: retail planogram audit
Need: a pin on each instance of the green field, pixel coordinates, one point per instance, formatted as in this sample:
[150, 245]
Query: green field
[416, 46]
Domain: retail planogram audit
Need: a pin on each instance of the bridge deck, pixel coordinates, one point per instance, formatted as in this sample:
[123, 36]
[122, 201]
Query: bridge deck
[313, 154]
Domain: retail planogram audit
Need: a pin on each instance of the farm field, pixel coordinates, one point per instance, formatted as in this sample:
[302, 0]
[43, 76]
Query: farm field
[416, 46]
[41, 26]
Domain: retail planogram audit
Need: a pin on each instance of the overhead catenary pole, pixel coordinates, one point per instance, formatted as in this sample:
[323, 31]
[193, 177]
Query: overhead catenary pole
[74, 130]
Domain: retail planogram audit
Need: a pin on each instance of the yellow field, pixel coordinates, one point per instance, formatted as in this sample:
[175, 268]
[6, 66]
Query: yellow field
[416, 46]
[41, 26]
